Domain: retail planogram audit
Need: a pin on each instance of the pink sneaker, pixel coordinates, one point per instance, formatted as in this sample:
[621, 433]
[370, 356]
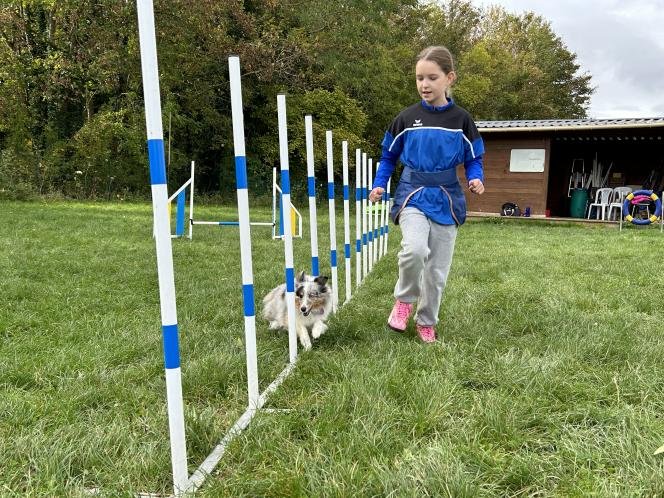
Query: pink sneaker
[426, 333]
[399, 316]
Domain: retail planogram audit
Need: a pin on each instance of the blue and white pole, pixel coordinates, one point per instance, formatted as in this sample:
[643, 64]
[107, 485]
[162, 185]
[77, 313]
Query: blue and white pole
[376, 209]
[245, 231]
[148, 44]
[358, 217]
[387, 217]
[311, 187]
[370, 215]
[288, 233]
[365, 261]
[383, 219]
[333, 222]
[344, 162]
[191, 202]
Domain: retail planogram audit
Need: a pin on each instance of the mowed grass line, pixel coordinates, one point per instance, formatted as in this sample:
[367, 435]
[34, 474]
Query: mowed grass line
[548, 381]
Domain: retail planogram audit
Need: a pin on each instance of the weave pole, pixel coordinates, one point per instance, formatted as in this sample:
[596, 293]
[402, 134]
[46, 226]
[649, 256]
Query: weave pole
[245, 230]
[165, 273]
[288, 235]
[376, 209]
[358, 217]
[383, 220]
[311, 188]
[387, 215]
[344, 162]
[333, 224]
[191, 202]
[370, 204]
[365, 254]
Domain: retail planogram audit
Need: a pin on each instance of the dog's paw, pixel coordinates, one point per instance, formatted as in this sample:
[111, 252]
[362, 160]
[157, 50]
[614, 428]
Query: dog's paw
[306, 344]
[273, 325]
[318, 330]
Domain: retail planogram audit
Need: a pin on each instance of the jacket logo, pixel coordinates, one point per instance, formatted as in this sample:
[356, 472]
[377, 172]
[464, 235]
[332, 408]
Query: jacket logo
[418, 122]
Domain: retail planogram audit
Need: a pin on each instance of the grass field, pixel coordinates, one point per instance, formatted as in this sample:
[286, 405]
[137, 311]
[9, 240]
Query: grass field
[549, 380]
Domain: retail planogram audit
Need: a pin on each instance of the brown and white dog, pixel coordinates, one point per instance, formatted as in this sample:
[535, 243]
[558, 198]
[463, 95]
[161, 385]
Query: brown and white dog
[313, 304]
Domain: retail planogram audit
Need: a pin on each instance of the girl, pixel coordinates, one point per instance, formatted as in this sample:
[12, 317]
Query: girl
[430, 139]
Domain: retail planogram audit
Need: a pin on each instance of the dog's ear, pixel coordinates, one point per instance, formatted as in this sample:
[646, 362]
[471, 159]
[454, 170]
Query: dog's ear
[299, 292]
[321, 281]
[300, 276]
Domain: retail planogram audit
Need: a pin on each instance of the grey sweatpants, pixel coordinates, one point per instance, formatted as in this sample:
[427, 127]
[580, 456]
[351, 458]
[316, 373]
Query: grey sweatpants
[424, 263]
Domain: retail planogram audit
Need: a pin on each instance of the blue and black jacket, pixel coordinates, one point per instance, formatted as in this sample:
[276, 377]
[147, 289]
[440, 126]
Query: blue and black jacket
[430, 142]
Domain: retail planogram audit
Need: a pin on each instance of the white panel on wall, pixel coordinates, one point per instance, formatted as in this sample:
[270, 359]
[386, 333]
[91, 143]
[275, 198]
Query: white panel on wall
[527, 161]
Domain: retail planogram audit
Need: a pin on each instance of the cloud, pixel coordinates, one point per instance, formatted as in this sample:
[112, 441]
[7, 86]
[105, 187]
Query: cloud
[621, 44]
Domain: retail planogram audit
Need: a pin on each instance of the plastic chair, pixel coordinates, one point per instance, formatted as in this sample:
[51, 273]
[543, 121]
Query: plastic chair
[602, 197]
[619, 194]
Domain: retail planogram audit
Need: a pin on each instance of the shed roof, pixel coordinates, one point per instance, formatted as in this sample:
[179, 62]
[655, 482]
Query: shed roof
[568, 124]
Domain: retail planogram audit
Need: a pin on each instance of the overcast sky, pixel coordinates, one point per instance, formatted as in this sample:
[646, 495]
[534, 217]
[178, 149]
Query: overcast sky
[621, 43]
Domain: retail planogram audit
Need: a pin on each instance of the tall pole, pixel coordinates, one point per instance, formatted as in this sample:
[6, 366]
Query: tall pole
[245, 232]
[311, 188]
[191, 201]
[288, 234]
[155, 138]
[365, 252]
[333, 223]
[370, 215]
[358, 217]
[344, 163]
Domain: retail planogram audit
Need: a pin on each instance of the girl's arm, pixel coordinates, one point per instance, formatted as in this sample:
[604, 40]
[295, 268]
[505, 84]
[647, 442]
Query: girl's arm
[388, 161]
[475, 175]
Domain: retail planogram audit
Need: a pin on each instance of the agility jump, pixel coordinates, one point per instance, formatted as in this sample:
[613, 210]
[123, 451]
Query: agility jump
[180, 195]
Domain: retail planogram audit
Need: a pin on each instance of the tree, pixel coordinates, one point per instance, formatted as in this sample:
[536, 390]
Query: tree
[71, 92]
[519, 69]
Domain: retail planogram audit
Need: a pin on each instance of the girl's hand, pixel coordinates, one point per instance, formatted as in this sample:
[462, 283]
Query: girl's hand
[376, 194]
[476, 186]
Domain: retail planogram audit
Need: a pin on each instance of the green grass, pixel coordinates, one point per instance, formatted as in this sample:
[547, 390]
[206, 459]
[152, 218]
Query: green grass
[548, 381]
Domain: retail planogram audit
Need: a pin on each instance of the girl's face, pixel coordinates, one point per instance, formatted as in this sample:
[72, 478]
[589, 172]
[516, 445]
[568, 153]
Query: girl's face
[432, 82]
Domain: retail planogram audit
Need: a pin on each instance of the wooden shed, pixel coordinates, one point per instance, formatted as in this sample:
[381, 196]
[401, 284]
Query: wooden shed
[530, 162]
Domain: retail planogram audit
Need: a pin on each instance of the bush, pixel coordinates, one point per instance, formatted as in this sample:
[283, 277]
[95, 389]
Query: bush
[15, 176]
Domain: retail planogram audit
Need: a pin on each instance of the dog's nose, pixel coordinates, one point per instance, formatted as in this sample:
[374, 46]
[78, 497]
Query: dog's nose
[303, 308]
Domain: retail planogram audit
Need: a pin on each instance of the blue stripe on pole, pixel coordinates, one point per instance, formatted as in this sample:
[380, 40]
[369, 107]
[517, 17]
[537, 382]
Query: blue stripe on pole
[311, 186]
[347, 250]
[281, 215]
[285, 182]
[333, 258]
[290, 280]
[330, 190]
[358, 194]
[314, 266]
[248, 298]
[358, 245]
[387, 228]
[364, 239]
[157, 161]
[171, 349]
[179, 220]
[345, 192]
[241, 171]
[371, 236]
[382, 231]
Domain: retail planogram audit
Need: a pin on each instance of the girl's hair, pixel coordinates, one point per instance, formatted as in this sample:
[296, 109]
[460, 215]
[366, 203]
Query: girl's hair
[441, 56]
